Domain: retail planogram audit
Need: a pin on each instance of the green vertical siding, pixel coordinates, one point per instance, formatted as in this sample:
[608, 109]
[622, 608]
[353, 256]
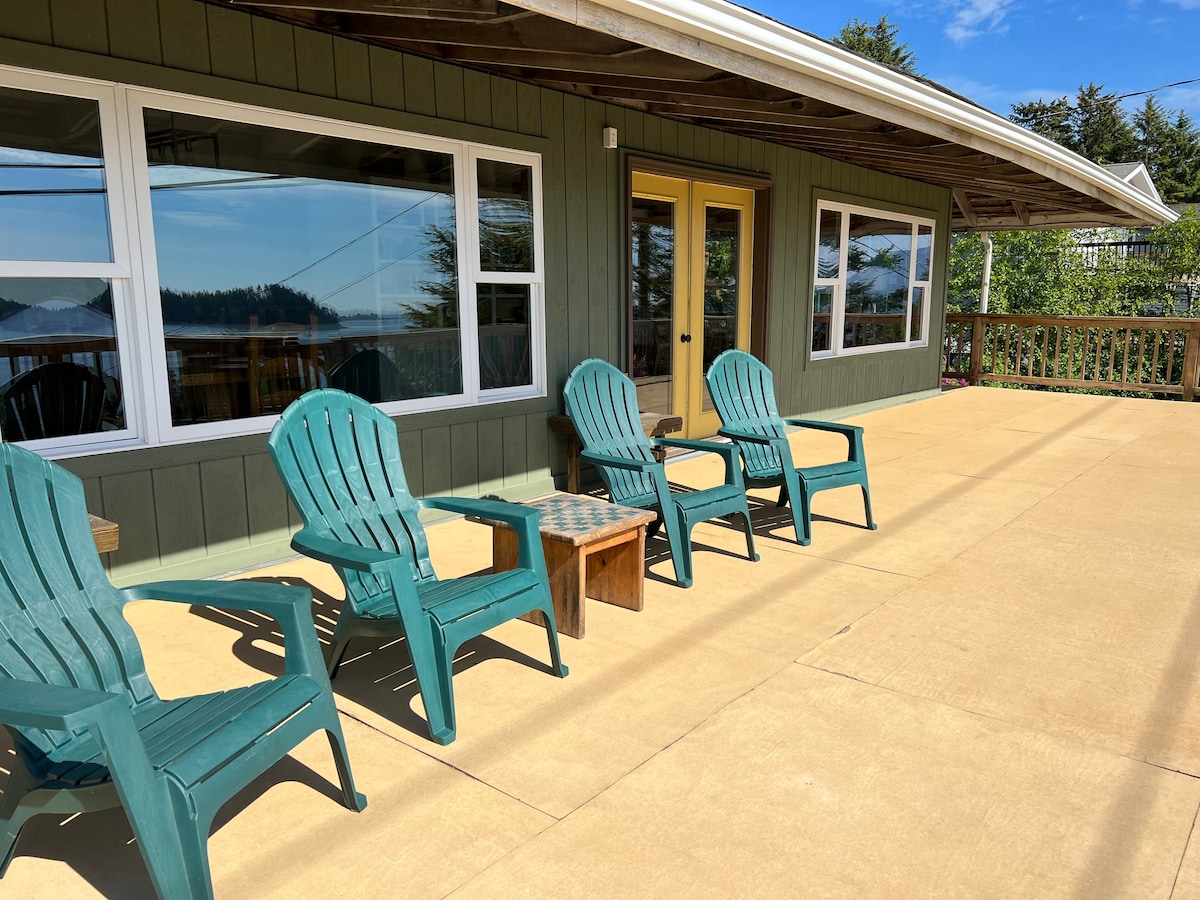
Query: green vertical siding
[217, 506]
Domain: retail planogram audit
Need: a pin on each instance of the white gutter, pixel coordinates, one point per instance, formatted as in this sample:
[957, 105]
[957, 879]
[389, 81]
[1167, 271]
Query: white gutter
[720, 34]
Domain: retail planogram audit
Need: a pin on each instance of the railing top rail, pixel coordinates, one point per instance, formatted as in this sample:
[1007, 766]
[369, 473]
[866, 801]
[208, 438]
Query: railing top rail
[1162, 322]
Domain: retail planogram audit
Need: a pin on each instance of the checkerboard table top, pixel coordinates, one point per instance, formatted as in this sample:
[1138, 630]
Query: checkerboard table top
[571, 519]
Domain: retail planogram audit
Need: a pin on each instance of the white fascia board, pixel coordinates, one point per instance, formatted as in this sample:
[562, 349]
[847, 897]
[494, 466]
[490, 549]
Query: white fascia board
[742, 41]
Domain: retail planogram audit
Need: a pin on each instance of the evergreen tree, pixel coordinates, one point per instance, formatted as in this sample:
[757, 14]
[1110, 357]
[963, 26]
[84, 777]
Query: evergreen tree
[1102, 132]
[877, 42]
[1054, 120]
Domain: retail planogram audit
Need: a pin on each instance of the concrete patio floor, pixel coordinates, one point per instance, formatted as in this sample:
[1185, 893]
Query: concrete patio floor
[993, 695]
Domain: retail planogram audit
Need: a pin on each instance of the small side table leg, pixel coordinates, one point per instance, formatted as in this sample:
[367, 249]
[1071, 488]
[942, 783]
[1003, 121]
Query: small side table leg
[616, 573]
[574, 448]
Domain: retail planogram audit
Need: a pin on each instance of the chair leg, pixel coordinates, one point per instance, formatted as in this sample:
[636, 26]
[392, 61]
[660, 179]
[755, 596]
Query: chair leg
[337, 743]
[866, 491]
[679, 535]
[745, 514]
[193, 841]
[13, 815]
[783, 496]
[337, 647]
[433, 664]
[556, 663]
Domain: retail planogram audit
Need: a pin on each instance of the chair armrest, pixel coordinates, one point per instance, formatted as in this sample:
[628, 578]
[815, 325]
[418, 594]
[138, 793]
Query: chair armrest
[852, 433]
[288, 605]
[509, 513]
[35, 704]
[729, 452]
[764, 439]
[523, 520]
[837, 427]
[618, 462]
[342, 553]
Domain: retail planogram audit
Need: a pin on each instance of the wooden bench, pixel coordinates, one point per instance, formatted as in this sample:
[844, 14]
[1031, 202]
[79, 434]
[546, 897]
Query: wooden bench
[653, 423]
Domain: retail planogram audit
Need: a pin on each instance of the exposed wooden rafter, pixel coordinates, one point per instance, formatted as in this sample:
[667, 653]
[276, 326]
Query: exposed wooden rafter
[611, 66]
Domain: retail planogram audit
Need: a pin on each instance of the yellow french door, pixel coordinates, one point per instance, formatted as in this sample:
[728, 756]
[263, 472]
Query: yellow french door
[691, 251]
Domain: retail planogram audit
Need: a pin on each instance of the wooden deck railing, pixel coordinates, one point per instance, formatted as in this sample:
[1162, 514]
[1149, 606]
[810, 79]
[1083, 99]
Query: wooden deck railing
[1152, 355]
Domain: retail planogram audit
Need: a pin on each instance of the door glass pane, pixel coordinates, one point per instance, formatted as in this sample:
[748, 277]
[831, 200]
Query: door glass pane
[504, 341]
[653, 260]
[877, 285]
[822, 310]
[505, 216]
[58, 358]
[53, 202]
[289, 261]
[722, 249]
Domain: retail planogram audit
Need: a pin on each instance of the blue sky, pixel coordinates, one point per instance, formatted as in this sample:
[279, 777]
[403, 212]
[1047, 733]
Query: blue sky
[1000, 52]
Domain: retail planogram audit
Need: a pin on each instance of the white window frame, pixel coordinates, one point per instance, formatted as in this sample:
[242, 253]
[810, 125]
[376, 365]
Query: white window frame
[119, 272]
[141, 339]
[837, 318]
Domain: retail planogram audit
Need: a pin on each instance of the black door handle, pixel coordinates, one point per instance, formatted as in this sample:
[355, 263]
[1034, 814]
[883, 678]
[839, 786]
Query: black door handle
[685, 339]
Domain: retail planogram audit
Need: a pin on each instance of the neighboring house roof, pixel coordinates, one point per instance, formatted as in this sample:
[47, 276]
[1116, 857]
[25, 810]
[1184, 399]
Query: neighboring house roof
[1136, 175]
[714, 64]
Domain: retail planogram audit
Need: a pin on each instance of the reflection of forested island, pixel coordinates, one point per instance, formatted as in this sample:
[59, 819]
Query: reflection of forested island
[271, 303]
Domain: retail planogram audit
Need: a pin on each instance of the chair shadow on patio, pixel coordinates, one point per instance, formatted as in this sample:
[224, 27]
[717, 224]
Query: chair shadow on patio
[771, 521]
[100, 847]
[376, 672]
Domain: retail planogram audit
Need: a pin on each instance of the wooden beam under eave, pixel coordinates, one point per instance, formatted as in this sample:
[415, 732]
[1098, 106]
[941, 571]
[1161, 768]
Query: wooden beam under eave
[527, 34]
[1021, 210]
[965, 207]
[410, 9]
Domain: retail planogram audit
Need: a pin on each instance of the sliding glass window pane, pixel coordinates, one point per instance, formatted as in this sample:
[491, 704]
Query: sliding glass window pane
[924, 249]
[53, 202]
[59, 365]
[289, 261]
[822, 313]
[653, 258]
[877, 282]
[918, 310]
[504, 339]
[829, 245]
[505, 216]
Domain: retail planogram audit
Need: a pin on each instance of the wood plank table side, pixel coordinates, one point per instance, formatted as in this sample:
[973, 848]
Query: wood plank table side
[654, 424]
[106, 534]
[593, 549]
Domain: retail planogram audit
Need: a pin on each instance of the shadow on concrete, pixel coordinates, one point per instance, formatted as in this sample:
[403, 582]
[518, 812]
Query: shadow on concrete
[376, 672]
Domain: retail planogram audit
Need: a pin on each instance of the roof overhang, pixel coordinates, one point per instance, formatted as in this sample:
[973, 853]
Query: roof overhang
[714, 64]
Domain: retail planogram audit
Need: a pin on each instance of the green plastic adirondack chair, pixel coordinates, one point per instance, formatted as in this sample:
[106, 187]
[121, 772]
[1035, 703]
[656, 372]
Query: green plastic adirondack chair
[602, 404]
[339, 458]
[743, 391]
[90, 732]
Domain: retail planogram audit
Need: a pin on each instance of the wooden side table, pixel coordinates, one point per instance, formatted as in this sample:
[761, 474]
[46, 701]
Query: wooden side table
[593, 549]
[654, 424]
[104, 533]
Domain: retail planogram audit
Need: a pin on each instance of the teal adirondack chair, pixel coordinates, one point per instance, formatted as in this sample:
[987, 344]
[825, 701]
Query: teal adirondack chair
[90, 732]
[743, 391]
[602, 404]
[339, 458]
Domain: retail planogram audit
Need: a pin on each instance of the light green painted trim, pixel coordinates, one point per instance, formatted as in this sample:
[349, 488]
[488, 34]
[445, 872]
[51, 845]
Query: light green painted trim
[211, 566]
[238, 561]
[105, 68]
[858, 409]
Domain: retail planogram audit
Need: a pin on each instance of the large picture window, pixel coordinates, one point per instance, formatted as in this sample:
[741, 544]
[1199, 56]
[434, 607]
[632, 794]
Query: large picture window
[269, 253]
[871, 280]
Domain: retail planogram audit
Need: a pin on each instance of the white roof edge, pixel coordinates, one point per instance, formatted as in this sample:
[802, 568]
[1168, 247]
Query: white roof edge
[708, 24]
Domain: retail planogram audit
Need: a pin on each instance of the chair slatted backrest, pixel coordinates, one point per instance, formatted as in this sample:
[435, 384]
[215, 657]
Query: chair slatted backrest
[339, 458]
[743, 391]
[52, 400]
[602, 404]
[60, 618]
